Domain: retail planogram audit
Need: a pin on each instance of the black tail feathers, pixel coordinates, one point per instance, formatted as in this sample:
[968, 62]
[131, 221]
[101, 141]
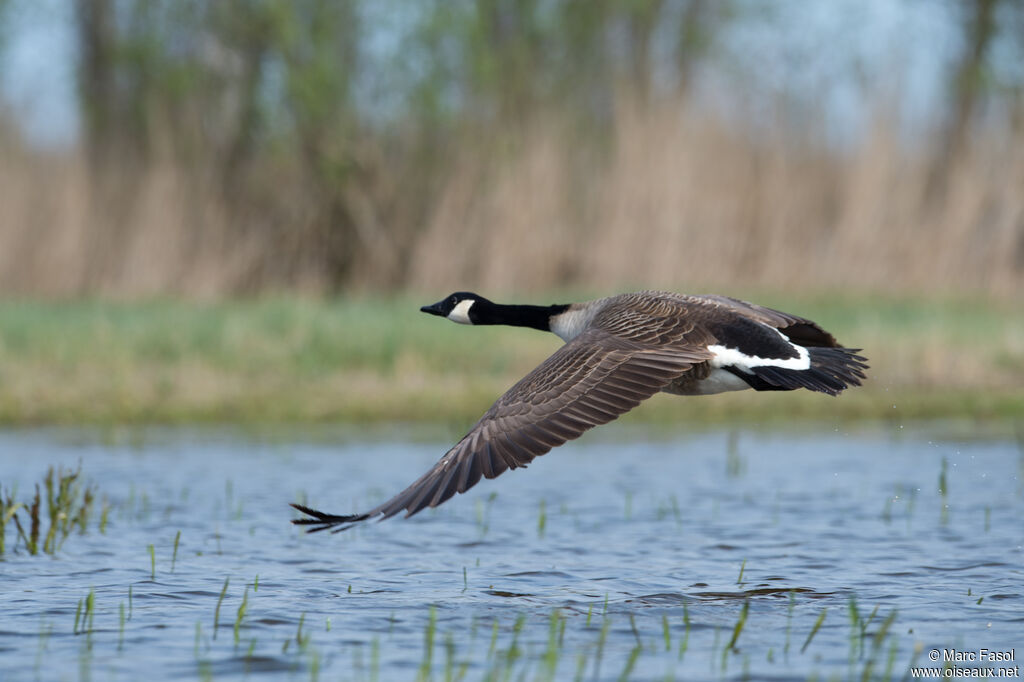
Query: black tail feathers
[831, 371]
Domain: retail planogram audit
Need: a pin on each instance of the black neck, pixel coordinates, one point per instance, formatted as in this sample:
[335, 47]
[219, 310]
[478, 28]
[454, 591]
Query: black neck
[533, 316]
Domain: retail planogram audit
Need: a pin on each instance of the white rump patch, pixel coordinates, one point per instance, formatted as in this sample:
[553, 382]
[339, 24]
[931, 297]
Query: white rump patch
[460, 313]
[732, 357]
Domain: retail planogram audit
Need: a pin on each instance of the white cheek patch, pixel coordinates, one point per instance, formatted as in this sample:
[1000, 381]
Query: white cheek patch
[731, 357]
[460, 313]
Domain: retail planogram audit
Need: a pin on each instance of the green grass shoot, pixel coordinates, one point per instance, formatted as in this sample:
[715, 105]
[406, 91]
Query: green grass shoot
[494, 639]
[877, 641]
[944, 491]
[551, 653]
[300, 639]
[814, 629]
[602, 637]
[87, 610]
[8, 508]
[428, 645]
[78, 616]
[241, 614]
[104, 515]
[738, 628]
[883, 630]
[856, 628]
[174, 554]
[630, 663]
[542, 519]
[68, 505]
[220, 599]
[636, 633]
[685, 642]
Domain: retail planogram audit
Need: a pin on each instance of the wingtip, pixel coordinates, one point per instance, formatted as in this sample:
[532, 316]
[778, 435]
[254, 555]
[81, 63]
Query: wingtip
[319, 521]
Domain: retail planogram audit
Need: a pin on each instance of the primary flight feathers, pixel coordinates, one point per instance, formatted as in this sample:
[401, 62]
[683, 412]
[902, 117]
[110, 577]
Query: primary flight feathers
[619, 351]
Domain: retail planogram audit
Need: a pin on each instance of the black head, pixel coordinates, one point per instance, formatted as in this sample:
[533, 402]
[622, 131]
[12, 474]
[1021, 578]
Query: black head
[458, 307]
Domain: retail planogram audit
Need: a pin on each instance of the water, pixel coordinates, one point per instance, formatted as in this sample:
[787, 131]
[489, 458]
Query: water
[616, 555]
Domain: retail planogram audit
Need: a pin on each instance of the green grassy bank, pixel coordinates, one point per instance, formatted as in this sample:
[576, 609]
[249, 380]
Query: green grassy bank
[300, 360]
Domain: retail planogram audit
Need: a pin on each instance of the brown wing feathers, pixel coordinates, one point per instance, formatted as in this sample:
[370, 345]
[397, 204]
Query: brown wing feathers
[590, 381]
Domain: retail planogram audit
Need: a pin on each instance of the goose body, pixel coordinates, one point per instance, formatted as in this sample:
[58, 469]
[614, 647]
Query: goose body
[618, 352]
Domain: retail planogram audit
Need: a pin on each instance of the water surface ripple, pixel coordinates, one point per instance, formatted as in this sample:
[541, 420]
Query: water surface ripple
[822, 554]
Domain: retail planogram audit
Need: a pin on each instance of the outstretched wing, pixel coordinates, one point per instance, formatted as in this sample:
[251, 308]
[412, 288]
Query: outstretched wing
[797, 329]
[587, 382]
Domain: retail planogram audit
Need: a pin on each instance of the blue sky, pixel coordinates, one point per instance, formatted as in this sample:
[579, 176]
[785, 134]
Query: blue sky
[37, 81]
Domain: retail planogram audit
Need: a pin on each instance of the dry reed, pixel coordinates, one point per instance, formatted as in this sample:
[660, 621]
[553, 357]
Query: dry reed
[672, 199]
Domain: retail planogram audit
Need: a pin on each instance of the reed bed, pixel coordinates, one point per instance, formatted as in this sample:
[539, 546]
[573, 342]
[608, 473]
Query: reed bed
[667, 197]
[64, 504]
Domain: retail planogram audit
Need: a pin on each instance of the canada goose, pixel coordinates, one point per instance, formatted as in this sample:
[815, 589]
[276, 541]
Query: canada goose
[619, 351]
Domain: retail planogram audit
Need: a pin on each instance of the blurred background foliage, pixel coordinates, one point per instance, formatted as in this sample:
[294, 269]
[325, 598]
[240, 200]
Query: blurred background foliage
[233, 147]
[250, 198]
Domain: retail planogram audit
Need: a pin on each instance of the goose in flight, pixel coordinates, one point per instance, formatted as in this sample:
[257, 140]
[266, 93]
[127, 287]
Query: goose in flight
[618, 352]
